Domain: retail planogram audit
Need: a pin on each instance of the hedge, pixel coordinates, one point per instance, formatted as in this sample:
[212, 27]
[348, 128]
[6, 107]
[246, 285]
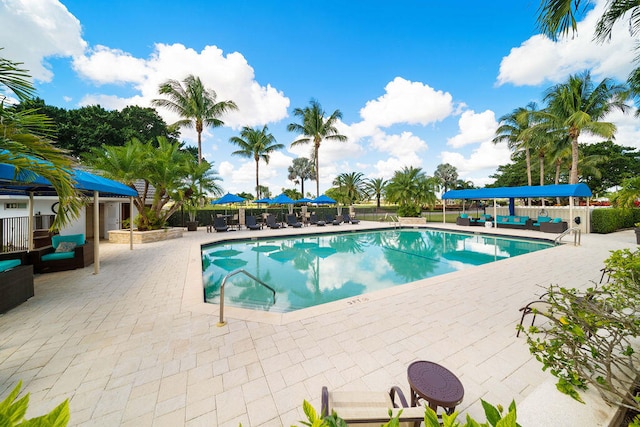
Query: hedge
[613, 219]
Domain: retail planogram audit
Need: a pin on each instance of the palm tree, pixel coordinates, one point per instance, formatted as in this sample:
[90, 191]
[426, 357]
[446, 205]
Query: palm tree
[447, 175]
[25, 138]
[202, 180]
[578, 105]
[315, 128]
[350, 186]
[257, 144]
[512, 130]
[300, 171]
[376, 187]
[195, 104]
[410, 188]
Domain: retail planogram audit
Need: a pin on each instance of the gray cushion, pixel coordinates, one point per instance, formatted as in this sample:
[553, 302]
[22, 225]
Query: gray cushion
[66, 247]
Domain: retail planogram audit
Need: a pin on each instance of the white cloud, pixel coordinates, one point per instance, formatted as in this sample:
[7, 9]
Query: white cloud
[230, 76]
[35, 30]
[539, 59]
[407, 102]
[486, 158]
[474, 128]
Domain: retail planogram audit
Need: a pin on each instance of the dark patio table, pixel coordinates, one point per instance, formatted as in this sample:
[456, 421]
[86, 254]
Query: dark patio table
[435, 384]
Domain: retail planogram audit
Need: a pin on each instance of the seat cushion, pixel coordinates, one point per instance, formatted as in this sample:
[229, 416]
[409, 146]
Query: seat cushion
[464, 215]
[58, 255]
[9, 264]
[556, 220]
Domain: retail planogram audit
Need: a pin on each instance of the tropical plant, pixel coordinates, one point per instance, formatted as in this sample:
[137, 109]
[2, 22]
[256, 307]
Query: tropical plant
[162, 169]
[628, 195]
[590, 337]
[578, 106]
[447, 176]
[375, 187]
[350, 187]
[202, 181]
[256, 144]
[197, 105]
[300, 171]
[25, 144]
[12, 412]
[512, 130]
[315, 128]
[410, 188]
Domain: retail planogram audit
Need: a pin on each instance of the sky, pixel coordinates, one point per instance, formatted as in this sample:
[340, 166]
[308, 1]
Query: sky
[418, 83]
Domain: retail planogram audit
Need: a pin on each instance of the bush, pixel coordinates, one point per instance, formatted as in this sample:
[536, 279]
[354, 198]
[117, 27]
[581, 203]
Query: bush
[608, 220]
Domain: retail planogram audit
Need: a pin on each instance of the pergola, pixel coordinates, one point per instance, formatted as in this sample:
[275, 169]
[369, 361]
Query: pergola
[511, 193]
[89, 184]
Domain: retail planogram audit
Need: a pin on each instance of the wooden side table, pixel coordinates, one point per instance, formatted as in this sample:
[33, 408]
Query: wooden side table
[434, 383]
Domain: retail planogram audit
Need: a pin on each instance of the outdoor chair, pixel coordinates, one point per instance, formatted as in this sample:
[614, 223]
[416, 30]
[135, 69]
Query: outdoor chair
[370, 408]
[463, 219]
[334, 219]
[347, 218]
[219, 224]
[271, 222]
[67, 252]
[16, 280]
[292, 221]
[313, 220]
[251, 223]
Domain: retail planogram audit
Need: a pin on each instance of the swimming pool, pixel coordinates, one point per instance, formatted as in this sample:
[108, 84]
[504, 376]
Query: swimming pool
[309, 270]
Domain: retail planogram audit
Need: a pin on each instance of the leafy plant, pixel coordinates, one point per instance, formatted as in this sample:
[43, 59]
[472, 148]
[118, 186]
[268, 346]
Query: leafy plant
[12, 412]
[591, 337]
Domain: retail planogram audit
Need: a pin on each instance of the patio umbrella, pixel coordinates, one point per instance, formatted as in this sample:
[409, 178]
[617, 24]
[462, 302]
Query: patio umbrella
[228, 198]
[263, 200]
[283, 199]
[304, 200]
[323, 199]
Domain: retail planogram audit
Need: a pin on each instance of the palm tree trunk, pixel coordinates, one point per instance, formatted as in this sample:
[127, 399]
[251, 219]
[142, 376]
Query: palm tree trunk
[527, 156]
[558, 163]
[317, 146]
[541, 159]
[574, 160]
[302, 186]
[257, 182]
[199, 147]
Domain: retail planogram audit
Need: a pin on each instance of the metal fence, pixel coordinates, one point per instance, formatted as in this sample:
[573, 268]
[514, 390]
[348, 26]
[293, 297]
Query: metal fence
[14, 232]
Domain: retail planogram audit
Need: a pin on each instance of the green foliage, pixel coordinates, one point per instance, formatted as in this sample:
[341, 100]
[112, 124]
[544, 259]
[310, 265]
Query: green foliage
[590, 338]
[493, 414]
[12, 412]
[628, 194]
[410, 188]
[621, 162]
[608, 220]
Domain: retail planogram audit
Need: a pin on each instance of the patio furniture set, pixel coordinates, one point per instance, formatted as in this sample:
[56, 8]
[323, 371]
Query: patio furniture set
[545, 224]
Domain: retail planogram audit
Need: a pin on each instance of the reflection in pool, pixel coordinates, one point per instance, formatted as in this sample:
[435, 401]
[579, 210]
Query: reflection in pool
[315, 269]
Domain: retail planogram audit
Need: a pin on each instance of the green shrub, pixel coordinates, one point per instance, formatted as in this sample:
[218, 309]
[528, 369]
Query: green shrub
[608, 220]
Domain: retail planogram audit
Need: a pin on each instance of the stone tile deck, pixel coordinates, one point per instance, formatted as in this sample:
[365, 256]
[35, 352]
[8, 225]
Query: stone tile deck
[135, 346]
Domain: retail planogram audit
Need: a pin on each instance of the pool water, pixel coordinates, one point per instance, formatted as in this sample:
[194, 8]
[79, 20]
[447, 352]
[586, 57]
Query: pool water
[316, 269]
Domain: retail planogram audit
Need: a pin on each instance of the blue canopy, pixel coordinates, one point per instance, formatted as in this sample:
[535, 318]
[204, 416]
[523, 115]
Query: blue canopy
[228, 198]
[560, 190]
[282, 199]
[263, 200]
[323, 199]
[39, 186]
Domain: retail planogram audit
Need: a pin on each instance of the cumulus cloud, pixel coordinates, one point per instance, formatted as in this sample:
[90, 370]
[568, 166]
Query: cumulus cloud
[486, 158]
[35, 30]
[540, 59]
[474, 128]
[407, 102]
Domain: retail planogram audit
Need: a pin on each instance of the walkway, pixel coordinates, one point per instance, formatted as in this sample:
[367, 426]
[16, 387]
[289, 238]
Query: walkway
[134, 345]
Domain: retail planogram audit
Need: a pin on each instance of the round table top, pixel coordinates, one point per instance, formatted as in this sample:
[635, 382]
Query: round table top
[435, 383]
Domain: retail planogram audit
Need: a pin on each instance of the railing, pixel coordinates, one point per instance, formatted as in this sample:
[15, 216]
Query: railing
[577, 235]
[14, 231]
[233, 273]
[393, 219]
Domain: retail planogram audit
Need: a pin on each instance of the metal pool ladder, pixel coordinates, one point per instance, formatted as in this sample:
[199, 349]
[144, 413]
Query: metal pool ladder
[577, 234]
[233, 273]
[394, 220]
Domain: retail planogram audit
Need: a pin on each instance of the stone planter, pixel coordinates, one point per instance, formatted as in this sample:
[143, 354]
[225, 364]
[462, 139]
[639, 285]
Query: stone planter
[410, 220]
[122, 236]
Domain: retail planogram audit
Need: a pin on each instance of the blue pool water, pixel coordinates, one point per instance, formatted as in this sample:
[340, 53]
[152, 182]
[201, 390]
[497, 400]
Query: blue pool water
[315, 269]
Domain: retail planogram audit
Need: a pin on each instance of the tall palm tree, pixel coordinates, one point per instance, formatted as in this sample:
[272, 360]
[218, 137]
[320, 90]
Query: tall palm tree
[25, 141]
[578, 105]
[447, 175]
[351, 186]
[196, 104]
[376, 187]
[512, 130]
[257, 144]
[301, 169]
[315, 128]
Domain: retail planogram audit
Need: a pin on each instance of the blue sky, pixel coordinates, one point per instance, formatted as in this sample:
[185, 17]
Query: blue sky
[419, 83]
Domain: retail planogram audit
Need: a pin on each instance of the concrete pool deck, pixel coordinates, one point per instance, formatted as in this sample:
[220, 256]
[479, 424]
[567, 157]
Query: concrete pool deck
[135, 345]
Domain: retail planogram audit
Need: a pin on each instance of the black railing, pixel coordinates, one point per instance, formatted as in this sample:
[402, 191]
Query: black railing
[14, 231]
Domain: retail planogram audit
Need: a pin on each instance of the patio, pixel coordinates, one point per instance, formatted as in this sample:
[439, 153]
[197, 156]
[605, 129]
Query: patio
[134, 345]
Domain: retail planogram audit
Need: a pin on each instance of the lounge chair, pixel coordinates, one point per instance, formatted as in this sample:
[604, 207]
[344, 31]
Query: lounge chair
[271, 222]
[347, 218]
[313, 220]
[370, 408]
[335, 220]
[250, 222]
[219, 224]
[292, 221]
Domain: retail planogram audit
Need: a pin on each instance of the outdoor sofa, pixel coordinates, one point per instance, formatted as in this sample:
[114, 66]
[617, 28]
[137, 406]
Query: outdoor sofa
[67, 252]
[556, 225]
[513, 221]
[463, 219]
[16, 280]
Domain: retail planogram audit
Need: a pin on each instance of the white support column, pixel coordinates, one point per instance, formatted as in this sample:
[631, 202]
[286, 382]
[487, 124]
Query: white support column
[130, 223]
[444, 213]
[495, 213]
[96, 232]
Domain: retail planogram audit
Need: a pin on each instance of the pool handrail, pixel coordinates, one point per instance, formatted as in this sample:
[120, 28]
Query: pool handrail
[224, 280]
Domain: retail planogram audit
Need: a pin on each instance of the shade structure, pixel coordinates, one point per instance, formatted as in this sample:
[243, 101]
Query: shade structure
[304, 200]
[263, 200]
[228, 198]
[533, 191]
[282, 199]
[323, 199]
